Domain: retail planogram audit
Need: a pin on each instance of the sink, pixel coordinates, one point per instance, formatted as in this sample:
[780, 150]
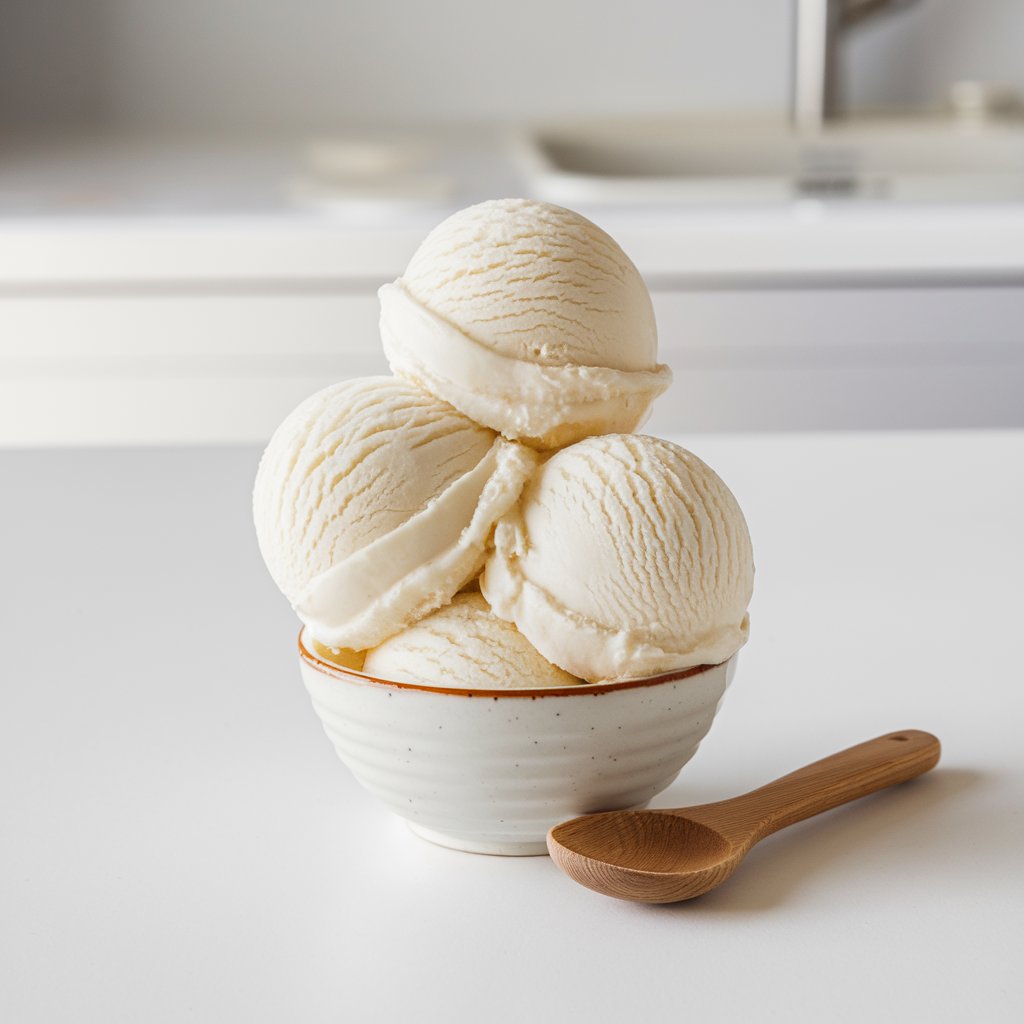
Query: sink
[691, 161]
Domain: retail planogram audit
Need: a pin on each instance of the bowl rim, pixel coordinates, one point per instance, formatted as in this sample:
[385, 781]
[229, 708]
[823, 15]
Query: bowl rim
[328, 668]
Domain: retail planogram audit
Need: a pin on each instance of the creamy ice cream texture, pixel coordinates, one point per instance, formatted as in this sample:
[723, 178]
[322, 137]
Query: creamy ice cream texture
[625, 557]
[373, 504]
[529, 319]
[619, 556]
[464, 645]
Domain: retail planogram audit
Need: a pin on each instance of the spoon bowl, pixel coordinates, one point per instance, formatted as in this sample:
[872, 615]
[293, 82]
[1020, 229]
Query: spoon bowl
[680, 857]
[663, 856]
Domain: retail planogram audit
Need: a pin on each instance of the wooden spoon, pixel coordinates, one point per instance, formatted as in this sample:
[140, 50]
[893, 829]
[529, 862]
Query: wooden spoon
[664, 856]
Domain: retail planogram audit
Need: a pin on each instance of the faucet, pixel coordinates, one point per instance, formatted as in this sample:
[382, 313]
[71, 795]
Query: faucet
[816, 82]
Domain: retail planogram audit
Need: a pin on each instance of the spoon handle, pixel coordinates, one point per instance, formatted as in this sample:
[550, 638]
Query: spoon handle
[856, 772]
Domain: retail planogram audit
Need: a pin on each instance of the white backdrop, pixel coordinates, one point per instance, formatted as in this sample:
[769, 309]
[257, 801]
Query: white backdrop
[319, 64]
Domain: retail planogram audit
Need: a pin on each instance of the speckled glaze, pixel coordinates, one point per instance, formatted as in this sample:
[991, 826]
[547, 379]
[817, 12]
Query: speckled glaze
[491, 771]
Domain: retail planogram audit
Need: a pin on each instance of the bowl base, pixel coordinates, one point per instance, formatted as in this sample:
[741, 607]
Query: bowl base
[513, 848]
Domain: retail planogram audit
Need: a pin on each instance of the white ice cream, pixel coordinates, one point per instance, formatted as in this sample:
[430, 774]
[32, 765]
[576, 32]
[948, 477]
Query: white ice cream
[373, 505]
[625, 557]
[464, 645]
[529, 319]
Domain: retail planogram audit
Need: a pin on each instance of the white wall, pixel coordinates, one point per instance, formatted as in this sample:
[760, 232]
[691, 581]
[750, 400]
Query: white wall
[52, 63]
[254, 63]
[305, 64]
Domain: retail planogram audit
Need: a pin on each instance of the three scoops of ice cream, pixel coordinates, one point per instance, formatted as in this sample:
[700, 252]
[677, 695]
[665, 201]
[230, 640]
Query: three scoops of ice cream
[485, 518]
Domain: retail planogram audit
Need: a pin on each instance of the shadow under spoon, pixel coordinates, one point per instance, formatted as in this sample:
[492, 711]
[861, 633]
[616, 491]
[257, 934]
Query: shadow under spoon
[663, 856]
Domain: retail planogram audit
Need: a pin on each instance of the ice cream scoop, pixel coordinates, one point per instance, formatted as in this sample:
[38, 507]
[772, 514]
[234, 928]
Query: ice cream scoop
[464, 645]
[529, 319]
[373, 504]
[625, 557]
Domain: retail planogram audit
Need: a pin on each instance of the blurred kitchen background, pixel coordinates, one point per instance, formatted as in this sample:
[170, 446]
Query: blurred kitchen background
[199, 198]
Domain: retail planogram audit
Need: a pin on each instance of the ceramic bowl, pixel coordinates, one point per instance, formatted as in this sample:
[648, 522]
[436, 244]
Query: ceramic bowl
[491, 771]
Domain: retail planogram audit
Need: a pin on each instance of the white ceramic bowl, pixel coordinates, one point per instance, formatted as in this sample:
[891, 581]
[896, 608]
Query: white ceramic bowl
[491, 771]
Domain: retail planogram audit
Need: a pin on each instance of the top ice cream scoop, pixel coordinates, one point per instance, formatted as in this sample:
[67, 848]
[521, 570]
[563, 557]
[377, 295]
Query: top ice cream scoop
[529, 319]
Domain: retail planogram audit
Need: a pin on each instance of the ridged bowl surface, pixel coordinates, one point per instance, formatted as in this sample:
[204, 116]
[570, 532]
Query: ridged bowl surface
[492, 771]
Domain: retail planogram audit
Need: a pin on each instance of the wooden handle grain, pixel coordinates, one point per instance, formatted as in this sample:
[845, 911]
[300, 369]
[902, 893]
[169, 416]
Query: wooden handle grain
[848, 775]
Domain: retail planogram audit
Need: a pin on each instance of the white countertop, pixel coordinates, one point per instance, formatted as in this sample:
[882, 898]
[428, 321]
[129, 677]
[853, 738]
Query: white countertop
[180, 842]
[805, 244]
[129, 215]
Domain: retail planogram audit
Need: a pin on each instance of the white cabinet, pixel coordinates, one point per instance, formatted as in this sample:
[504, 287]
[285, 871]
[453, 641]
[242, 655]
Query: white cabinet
[147, 368]
[857, 357]
[226, 364]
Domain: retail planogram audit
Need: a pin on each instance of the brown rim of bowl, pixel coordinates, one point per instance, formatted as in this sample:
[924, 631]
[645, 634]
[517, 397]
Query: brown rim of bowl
[338, 672]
